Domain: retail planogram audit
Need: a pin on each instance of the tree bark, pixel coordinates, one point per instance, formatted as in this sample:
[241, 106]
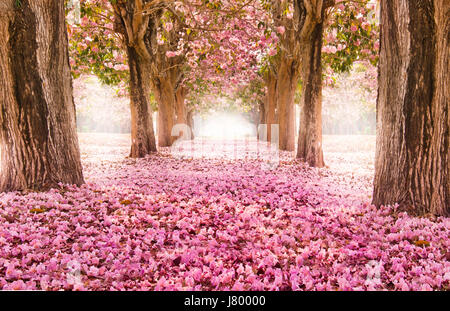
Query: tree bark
[38, 139]
[139, 29]
[261, 118]
[166, 112]
[287, 79]
[142, 133]
[180, 110]
[271, 104]
[190, 122]
[180, 107]
[412, 156]
[138, 33]
[310, 132]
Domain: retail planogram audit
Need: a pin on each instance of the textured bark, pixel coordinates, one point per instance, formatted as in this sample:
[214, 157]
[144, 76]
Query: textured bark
[412, 157]
[271, 104]
[38, 139]
[138, 22]
[142, 133]
[287, 79]
[165, 96]
[180, 111]
[310, 133]
[180, 106]
[298, 37]
[137, 31]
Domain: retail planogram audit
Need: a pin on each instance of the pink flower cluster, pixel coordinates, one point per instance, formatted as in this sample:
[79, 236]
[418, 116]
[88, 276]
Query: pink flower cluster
[165, 223]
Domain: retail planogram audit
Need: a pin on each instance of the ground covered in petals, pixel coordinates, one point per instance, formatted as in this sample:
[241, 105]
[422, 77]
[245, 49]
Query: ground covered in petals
[218, 215]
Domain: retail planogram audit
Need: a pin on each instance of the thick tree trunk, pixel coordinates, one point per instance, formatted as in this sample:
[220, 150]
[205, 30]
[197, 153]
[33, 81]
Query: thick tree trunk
[412, 157]
[137, 32]
[142, 133]
[310, 132]
[271, 104]
[38, 139]
[180, 107]
[287, 79]
[166, 112]
[180, 110]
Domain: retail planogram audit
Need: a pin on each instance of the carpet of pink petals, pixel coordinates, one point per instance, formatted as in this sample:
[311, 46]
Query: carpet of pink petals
[216, 215]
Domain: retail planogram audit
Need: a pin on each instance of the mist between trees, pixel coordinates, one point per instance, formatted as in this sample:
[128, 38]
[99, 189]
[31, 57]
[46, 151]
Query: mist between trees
[348, 107]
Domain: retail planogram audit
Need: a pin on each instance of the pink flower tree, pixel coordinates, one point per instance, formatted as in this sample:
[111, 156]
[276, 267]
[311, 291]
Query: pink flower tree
[165, 45]
[297, 36]
[228, 45]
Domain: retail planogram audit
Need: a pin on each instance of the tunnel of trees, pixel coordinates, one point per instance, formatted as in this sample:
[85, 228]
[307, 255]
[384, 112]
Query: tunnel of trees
[169, 56]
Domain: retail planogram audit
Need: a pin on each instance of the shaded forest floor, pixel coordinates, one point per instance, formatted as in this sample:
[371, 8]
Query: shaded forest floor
[214, 215]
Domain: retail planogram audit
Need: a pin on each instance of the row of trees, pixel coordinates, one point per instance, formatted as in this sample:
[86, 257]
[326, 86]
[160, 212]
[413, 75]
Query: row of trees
[170, 45]
[226, 43]
[169, 48]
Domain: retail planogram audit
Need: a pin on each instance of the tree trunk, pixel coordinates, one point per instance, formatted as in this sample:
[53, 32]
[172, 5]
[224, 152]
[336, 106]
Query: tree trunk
[271, 104]
[38, 139]
[142, 133]
[180, 110]
[180, 107]
[310, 132]
[190, 122]
[412, 157]
[166, 112]
[286, 84]
[261, 118]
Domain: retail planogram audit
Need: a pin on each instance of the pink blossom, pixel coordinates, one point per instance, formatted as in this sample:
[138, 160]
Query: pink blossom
[281, 30]
[222, 221]
[171, 54]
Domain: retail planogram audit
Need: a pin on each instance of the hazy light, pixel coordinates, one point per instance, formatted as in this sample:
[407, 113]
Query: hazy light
[226, 126]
